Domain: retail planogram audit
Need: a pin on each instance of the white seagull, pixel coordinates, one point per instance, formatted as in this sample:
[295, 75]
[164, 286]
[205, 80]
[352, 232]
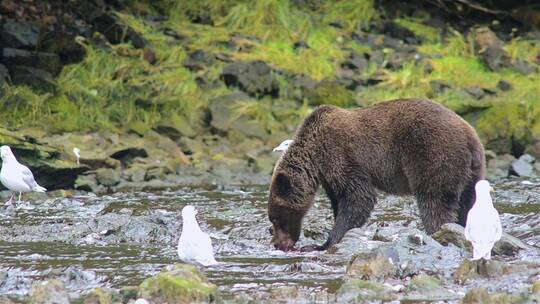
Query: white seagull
[483, 226]
[15, 176]
[283, 146]
[77, 153]
[194, 245]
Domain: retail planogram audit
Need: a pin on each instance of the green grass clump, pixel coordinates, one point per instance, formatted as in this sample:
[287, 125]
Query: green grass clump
[523, 49]
[268, 20]
[353, 14]
[20, 105]
[428, 33]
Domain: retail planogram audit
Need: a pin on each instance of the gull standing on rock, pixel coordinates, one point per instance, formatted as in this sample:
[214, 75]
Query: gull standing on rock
[283, 146]
[194, 245]
[483, 226]
[15, 176]
[77, 153]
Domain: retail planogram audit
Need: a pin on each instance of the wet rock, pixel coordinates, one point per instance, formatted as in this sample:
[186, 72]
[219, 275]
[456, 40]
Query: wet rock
[88, 182]
[378, 268]
[536, 287]
[102, 296]
[523, 166]
[108, 177]
[427, 288]
[19, 34]
[38, 79]
[470, 270]
[255, 78]
[361, 291]
[126, 155]
[454, 234]
[199, 60]
[477, 295]
[48, 292]
[39, 60]
[180, 283]
[504, 85]
[499, 167]
[490, 49]
[223, 116]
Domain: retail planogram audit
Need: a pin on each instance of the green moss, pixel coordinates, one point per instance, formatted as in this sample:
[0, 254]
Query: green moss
[328, 92]
[183, 284]
[428, 33]
[523, 49]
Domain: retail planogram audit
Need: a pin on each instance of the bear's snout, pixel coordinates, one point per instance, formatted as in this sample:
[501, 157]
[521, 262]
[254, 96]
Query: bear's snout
[282, 241]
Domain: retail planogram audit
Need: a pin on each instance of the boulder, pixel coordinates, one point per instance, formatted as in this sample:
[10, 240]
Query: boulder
[38, 79]
[49, 62]
[225, 120]
[499, 166]
[255, 78]
[490, 49]
[19, 34]
[377, 268]
[180, 283]
[425, 288]
[48, 292]
[199, 60]
[127, 154]
[108, 177]
[362, 291]
[471, 270]
[102, 296]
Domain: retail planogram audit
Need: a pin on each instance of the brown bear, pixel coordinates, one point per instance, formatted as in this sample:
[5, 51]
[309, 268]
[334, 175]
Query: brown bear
[401, 147]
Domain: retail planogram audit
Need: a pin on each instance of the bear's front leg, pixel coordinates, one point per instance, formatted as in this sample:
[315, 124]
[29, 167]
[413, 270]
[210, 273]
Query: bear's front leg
[354, 205]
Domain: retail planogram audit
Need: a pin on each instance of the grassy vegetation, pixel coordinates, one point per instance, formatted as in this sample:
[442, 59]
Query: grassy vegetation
[115, 87]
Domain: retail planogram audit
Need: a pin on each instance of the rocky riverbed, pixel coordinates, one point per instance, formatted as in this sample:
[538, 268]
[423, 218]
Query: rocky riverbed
[113, 247]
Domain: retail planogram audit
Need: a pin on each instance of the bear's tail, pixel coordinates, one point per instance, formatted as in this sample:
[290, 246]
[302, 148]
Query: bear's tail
[478, 172]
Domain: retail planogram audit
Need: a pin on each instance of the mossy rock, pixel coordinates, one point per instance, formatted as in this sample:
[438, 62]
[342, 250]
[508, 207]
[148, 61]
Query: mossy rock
[330, 92]
[48, 292]
[102, 296]
[429, 289]
[43, 160]
[181, 283]
[360, 291]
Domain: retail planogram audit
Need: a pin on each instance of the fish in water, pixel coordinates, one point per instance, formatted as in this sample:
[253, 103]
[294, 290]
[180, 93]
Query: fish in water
[283, 146]
[194, 245]
[483, 226]
[16, 176]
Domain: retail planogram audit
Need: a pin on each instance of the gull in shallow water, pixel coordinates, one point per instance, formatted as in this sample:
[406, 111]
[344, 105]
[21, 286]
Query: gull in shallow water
[483, 226]
[194, 245]
[15, 176]
[77, 153]
[283, 146]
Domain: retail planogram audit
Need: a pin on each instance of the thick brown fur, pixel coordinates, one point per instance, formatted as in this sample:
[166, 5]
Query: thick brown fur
[402, 147]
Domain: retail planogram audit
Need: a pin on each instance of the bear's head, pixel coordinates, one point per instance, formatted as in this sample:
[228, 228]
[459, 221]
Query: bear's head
[288, 202]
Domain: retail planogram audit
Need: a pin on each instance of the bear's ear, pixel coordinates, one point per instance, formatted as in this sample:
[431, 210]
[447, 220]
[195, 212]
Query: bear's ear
[283, 184]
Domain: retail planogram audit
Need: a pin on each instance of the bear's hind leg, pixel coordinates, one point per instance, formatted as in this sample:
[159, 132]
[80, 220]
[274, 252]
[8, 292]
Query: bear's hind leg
[437, 208]
[466, 201]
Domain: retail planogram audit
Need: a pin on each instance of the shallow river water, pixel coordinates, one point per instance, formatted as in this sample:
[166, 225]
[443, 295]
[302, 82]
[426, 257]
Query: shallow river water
[122, 238]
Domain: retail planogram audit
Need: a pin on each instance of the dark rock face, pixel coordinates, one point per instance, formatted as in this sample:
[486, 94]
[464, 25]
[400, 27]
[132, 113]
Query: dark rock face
[490, 49]
[38, 79]
[19, 35]
[44, 161]
[39, 60]
[126, 156]
[255, 78]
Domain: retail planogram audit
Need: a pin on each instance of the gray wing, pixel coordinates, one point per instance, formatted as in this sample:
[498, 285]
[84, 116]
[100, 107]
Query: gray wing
[28, 177]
